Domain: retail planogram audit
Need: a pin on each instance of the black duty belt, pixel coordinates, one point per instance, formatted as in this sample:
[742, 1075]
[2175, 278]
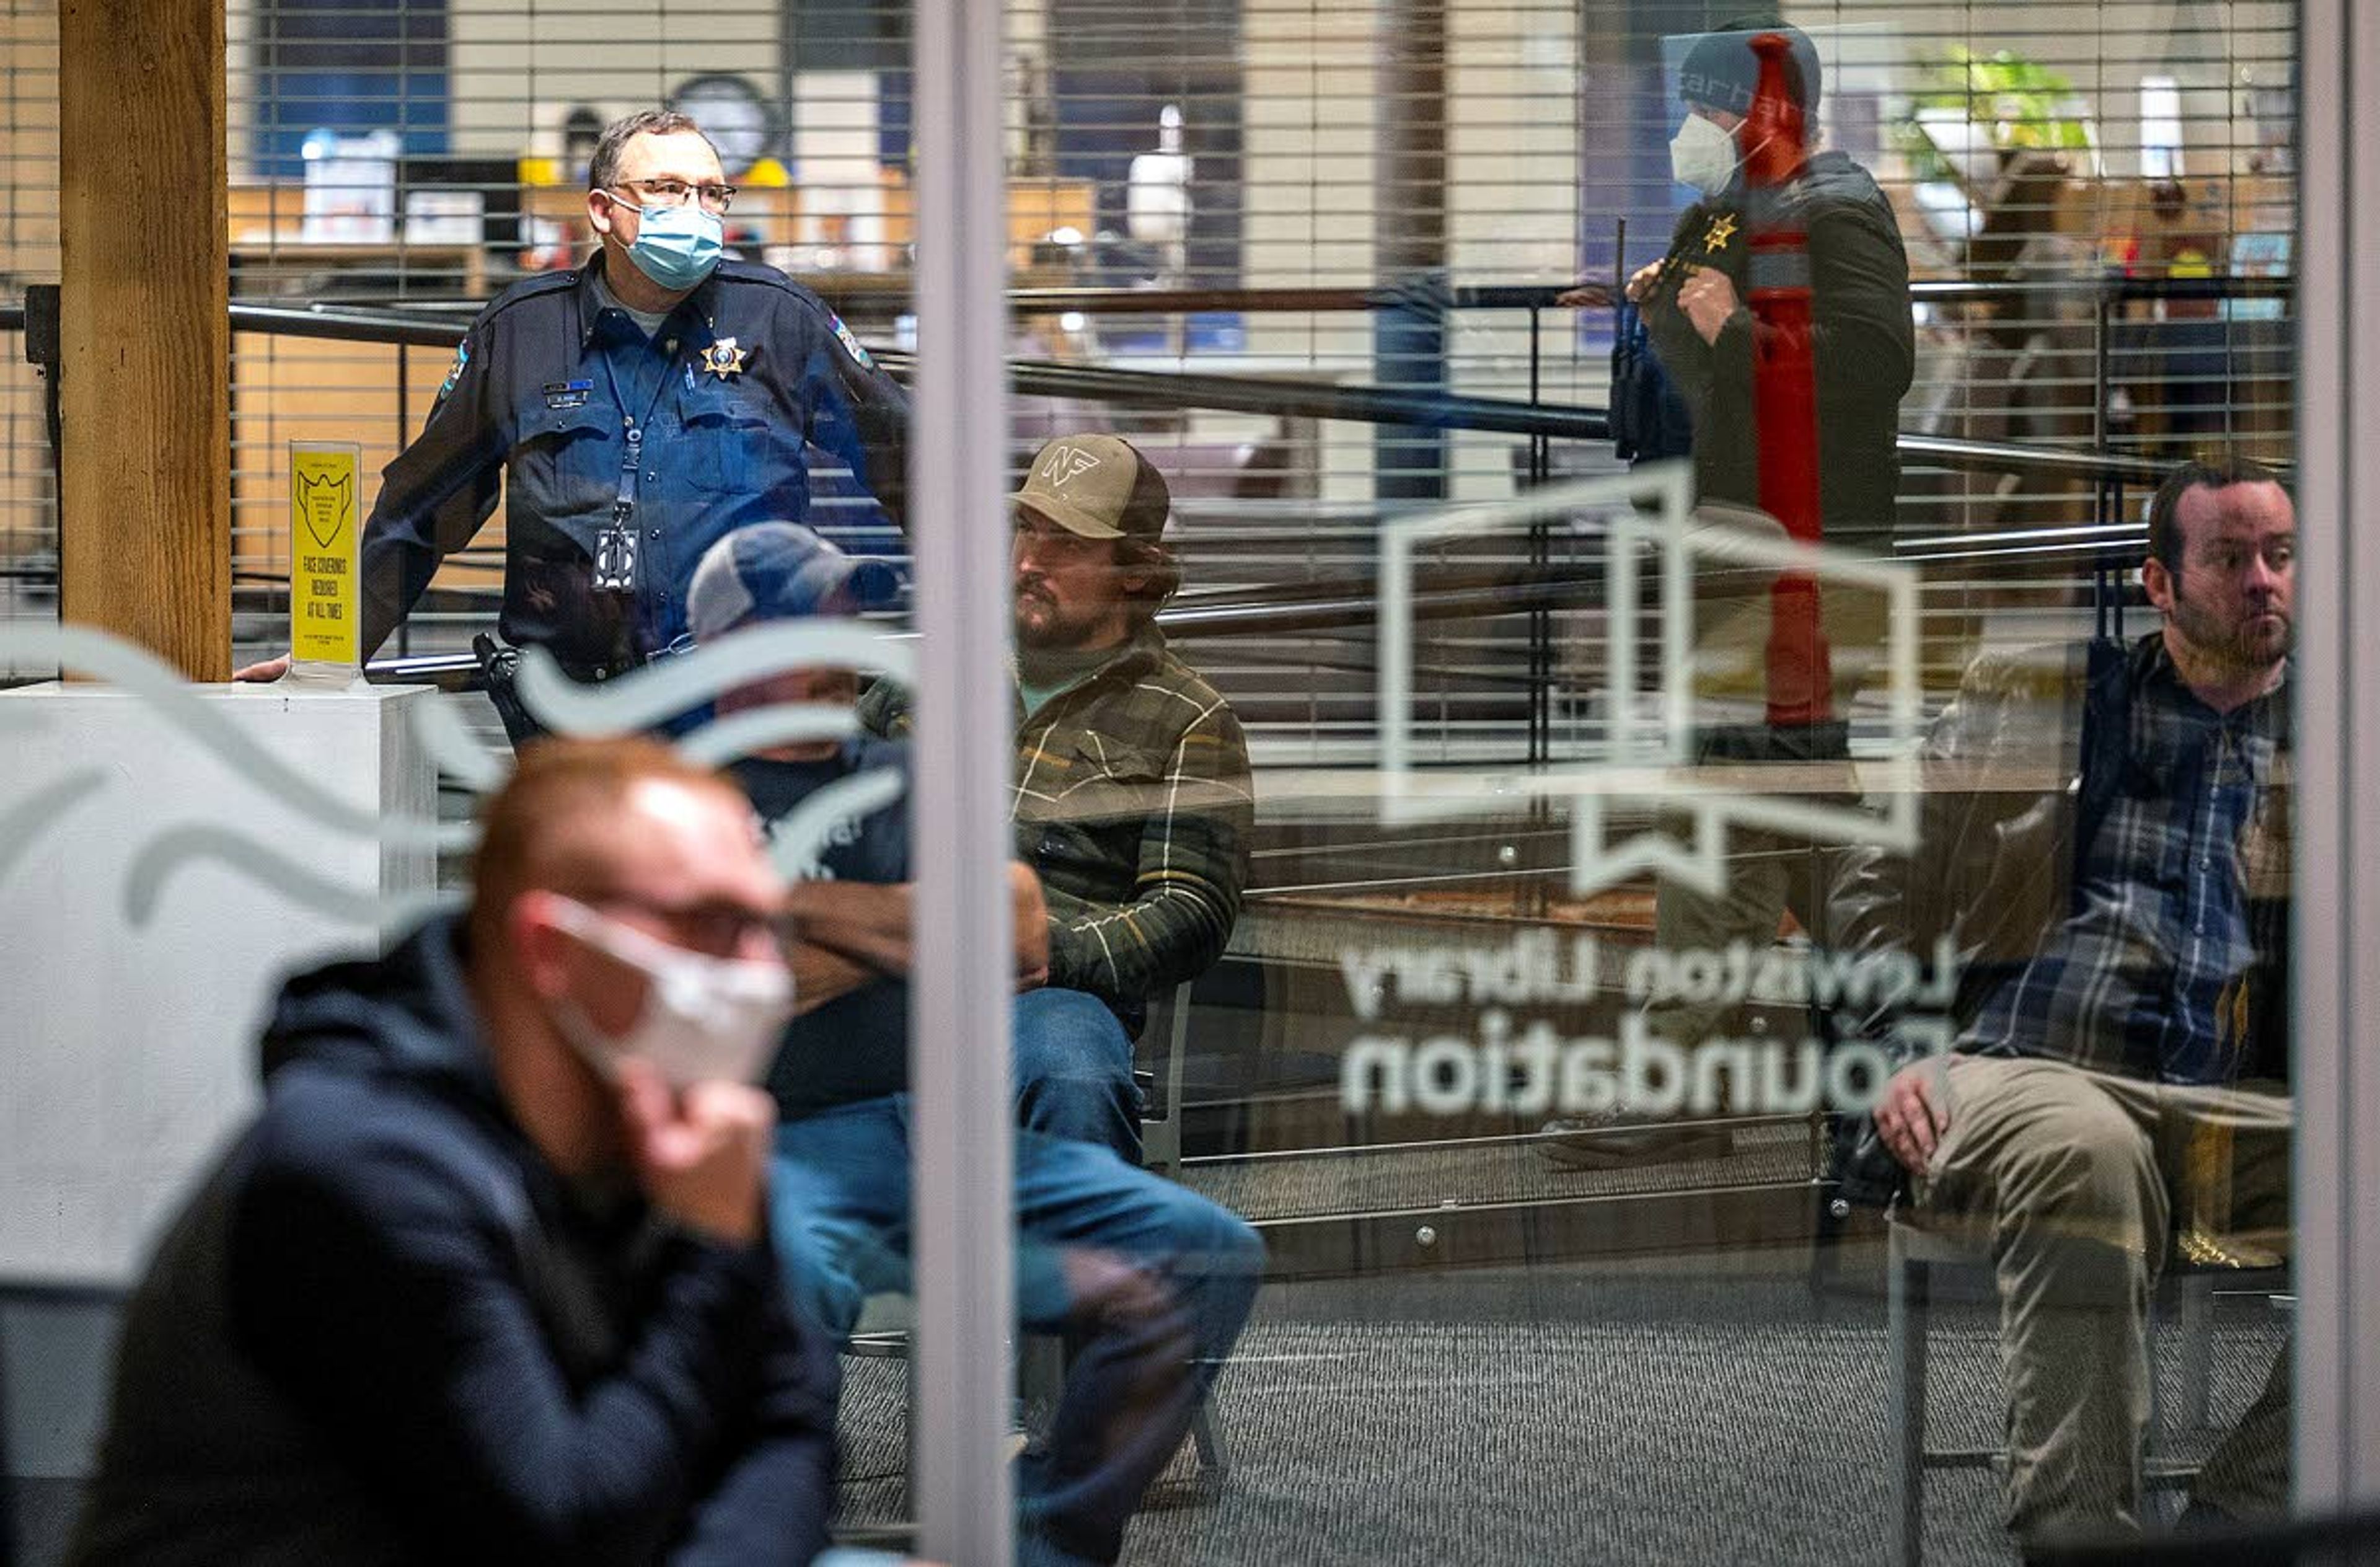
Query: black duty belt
[590, 673]
[593, 674]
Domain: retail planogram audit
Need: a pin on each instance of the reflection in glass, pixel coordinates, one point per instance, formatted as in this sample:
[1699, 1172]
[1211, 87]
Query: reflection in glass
[2105, 842]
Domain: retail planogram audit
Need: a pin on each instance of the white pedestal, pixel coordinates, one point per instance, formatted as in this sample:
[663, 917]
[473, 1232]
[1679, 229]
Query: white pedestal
[128, 1046]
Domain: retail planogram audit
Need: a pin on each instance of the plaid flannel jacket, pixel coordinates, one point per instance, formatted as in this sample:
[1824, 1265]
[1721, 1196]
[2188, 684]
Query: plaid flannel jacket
[2152, 972]
[1132, 799]
[2046, 784]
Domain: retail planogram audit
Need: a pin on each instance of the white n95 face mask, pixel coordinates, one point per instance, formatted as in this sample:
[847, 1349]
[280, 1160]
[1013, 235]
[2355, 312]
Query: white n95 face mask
[705, 1019]
[1701, 155]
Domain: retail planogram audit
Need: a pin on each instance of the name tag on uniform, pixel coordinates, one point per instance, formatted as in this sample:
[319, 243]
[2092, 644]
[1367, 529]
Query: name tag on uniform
[568, 394]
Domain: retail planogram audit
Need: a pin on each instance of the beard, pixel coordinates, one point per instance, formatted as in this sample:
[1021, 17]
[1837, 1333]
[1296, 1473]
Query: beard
[1037, 623]
[1044, 625]
[2256, 638]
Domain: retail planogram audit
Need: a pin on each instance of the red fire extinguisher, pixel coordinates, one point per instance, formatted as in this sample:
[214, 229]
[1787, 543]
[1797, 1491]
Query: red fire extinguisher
[1784, 382]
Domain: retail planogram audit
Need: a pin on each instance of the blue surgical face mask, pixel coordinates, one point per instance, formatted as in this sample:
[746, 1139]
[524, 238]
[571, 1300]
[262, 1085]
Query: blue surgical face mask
[676, 247]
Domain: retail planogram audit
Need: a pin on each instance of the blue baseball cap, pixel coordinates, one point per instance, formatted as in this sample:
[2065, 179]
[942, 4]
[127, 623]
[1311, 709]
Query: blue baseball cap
[781, 571]
[1721, 71]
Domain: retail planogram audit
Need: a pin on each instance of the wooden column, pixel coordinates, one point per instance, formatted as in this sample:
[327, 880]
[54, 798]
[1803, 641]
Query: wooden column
[144, 519]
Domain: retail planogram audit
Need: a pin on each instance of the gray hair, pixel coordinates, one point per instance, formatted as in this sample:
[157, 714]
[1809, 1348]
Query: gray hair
[604, 166]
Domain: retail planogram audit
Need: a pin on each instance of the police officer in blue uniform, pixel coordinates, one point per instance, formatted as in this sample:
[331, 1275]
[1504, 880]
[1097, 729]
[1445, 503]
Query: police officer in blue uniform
[637, 410]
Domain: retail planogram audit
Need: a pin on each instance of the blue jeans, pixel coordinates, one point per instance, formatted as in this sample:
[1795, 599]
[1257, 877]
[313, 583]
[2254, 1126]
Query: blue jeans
[1148, 1282]
[1073, 1071]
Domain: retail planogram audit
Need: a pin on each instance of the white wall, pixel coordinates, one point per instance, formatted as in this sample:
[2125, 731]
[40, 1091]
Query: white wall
[128, 1045]
[1513, 200]
[1512, 196]
[512, 64]
[515, 67]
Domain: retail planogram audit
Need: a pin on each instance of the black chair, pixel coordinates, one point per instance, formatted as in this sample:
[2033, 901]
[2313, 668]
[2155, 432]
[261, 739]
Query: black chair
[1914, 1251]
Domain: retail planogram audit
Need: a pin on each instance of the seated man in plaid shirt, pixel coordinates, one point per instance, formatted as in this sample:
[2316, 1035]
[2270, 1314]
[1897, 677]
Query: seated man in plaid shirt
[2104, 839]
[1132, 798]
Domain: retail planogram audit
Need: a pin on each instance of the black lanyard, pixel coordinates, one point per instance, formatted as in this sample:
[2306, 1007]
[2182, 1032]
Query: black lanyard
[616, 556]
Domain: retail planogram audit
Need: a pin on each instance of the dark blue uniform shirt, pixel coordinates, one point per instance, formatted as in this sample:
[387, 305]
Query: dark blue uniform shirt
[747, 371]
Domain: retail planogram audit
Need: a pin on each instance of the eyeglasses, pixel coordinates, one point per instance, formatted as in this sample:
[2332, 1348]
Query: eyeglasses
[716, 928]
[677, 192]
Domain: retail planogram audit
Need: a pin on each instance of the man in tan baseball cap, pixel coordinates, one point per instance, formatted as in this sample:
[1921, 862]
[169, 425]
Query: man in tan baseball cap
[1090, 563]
[1132, 798]
[1096, 486]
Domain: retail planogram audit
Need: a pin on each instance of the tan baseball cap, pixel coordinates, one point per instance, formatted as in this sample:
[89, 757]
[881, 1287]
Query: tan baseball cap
[1096, 486]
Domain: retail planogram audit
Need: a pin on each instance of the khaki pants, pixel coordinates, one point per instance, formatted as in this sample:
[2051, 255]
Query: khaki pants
[2080, 1183]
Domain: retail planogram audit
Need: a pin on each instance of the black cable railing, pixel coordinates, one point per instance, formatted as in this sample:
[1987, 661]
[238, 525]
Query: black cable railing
[1365, 405]
[1352, 604]
[1348, 606]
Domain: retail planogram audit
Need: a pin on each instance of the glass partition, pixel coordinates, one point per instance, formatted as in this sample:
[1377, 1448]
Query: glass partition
[1635, 794]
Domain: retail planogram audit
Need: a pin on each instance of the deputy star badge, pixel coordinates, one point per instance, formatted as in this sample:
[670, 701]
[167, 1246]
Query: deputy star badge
[1721, 230]
[723, 358]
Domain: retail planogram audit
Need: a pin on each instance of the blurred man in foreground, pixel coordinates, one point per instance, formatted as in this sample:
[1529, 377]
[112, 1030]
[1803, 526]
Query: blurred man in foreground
[489, 1278]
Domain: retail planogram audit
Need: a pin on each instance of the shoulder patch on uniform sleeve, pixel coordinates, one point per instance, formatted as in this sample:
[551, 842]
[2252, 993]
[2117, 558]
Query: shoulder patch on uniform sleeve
[462, 359]
[850, 344]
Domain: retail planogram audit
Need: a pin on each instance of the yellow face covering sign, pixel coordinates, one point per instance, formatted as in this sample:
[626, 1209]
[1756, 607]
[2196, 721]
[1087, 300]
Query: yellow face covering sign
[324, 613]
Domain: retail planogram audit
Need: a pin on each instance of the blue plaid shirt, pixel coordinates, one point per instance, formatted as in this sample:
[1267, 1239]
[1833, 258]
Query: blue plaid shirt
[2149, 973]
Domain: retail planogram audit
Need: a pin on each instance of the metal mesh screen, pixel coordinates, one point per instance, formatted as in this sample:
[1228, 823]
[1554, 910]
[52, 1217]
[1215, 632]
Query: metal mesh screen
[2088, 198]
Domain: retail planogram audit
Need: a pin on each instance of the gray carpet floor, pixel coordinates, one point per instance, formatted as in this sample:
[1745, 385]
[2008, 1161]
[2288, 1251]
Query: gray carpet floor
[1645, 1411]
[1486, 1171]
[1707, 1410]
